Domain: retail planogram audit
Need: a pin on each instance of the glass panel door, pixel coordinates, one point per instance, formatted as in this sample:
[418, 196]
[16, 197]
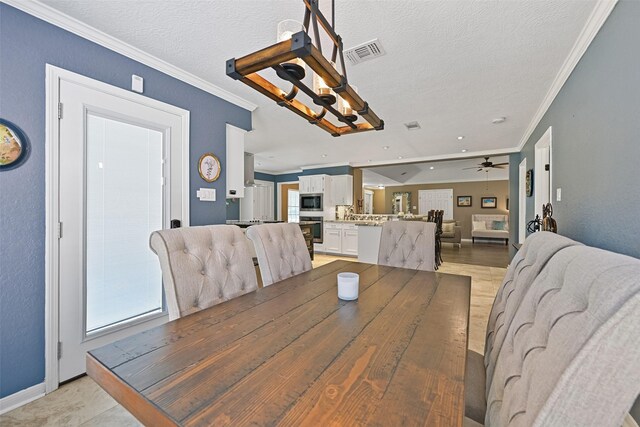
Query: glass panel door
[124, 204]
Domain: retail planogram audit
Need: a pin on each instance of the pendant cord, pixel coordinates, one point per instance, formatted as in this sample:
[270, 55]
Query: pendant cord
[333, 14]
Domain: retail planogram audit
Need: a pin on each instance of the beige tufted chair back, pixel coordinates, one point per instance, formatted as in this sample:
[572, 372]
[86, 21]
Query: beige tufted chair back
[532, 257]
[570, 355]
[281, 250]
[408, 244]
[203, 266]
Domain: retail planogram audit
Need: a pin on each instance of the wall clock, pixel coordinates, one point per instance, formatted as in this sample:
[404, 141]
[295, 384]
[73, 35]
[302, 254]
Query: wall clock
[529, 183]
[13, 145]
[209, 167]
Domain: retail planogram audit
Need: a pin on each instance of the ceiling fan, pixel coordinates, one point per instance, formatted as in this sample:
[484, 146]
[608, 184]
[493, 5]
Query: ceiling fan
[488, 165]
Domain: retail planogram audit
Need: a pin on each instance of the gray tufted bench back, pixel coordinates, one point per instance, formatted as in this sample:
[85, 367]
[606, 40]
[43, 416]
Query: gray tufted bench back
[571, 353]
[525, 266]
[203, 266]
[281, 250]
[408, 244]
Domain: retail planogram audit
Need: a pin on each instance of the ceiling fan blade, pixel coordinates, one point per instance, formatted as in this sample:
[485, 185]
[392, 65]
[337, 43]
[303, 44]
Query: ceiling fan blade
[501, 164]
[480, 170]
[464, 169]
[498, 166]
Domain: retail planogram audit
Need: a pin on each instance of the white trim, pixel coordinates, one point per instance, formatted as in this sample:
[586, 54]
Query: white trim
[22, 397]
[59, 19]
[522, 201]
[446, 181]
[279, 198]
[467, 155]
[52, 77]
[596, 20]
[629, 421]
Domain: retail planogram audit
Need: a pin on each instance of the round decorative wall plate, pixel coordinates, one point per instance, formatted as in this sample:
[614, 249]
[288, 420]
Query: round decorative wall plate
[209, 167]
[13, 145]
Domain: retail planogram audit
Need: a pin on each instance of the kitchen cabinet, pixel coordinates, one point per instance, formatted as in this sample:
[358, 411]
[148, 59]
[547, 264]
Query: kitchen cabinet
[342, 190]
[312, 184]
[235, 162]
[341, 238]
[350, 239]
[257, 203]
[332, 239]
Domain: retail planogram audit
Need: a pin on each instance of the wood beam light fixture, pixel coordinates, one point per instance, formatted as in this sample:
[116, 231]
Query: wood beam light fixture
[288, 58]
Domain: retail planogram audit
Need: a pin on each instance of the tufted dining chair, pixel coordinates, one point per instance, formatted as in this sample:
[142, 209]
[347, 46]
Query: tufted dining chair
[203, 266]
[408, 244]
[281, 251]
[570, 354]
[532, 257]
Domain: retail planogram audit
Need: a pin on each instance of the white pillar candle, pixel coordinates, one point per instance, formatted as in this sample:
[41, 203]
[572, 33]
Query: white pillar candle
[348, 286]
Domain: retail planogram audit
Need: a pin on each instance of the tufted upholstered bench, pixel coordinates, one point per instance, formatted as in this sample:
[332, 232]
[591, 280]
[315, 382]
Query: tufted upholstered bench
[565, 350]
[408, 244]
[281, 250]
[203, 266]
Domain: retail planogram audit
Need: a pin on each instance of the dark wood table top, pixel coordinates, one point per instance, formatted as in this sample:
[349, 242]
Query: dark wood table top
[294, 354]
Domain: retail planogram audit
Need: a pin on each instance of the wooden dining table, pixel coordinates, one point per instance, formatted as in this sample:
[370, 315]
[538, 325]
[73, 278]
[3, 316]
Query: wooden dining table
[294, 354]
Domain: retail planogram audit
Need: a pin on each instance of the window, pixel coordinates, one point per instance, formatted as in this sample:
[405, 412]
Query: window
[293, 206]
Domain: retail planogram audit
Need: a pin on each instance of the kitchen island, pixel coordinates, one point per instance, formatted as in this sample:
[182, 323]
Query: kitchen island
[305, 226]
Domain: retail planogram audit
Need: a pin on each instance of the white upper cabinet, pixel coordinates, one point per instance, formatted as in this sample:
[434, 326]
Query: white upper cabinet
[342, 190]
[312, 184]
[235, 162]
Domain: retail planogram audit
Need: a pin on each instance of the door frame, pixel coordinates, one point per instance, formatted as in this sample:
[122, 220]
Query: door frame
[522, 201]
[53, 75]
[278, 189]
[543, 146]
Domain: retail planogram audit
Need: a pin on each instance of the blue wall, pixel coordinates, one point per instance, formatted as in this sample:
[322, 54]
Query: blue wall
[596, 141]
[27, 44]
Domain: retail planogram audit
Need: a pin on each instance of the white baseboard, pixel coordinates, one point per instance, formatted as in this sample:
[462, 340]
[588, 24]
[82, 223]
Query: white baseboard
[21, 398]
[466, 240]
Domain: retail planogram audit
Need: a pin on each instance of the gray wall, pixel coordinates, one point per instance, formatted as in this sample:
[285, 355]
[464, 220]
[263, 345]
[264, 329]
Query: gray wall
[596, 140]
[27, 44]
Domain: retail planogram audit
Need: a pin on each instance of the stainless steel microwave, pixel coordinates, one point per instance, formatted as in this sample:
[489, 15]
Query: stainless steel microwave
[311, 202]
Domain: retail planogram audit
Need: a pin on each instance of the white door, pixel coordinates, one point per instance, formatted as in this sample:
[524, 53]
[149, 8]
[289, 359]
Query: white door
[543, 172]
[121, 177]
[368, 201]
[436, 200]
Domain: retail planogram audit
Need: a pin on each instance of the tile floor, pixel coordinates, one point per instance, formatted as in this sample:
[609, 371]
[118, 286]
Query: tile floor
[84, 403]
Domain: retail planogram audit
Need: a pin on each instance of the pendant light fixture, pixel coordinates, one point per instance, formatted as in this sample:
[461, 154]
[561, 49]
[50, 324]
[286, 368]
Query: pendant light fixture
[289, 56]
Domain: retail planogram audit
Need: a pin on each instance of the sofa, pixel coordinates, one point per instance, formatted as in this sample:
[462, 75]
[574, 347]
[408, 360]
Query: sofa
[563, 340]
[490, 227]
[451, 232]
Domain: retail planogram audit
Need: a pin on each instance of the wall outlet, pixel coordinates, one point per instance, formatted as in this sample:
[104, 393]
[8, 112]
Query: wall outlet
[558, 194]
[206, 194]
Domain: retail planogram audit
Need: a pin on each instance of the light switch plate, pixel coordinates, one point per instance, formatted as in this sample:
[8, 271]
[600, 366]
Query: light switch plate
[206, 194]
[558, 194]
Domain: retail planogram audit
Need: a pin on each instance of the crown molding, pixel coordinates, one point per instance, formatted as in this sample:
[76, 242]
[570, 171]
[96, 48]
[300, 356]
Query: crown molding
[59, 19]
[457, 156]
[439, 181]
[596, 20]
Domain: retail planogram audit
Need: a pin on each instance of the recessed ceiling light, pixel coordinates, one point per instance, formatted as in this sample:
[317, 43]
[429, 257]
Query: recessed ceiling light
[498, 120]
[412, 125]
[464, 150]
[386, 147]
[431, 167]
[461, 137]
[324, 155]
[399, 157]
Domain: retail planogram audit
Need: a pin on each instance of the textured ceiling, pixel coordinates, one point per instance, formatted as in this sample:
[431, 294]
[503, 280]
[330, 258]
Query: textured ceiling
[451, 65]
[443, 171]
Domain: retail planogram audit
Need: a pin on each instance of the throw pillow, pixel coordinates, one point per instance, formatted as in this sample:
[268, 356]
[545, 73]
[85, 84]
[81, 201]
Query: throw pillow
[499, 225]
[447, 227]
[479, 225]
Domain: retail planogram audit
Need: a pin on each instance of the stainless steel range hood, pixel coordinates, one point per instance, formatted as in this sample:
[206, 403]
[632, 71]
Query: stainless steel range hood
[249, 170]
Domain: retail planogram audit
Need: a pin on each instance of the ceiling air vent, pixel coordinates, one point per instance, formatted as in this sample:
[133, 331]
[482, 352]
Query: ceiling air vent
[412, 125]
[364, 52]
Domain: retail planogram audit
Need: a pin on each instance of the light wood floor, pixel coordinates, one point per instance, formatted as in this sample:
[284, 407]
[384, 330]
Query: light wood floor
[83, 403]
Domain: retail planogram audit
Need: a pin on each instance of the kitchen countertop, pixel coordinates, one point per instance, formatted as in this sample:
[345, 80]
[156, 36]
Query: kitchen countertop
[245, 224]
[356, 222]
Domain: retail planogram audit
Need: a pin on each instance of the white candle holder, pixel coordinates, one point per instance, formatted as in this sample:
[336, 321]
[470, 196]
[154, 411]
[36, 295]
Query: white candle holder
[348, 286]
